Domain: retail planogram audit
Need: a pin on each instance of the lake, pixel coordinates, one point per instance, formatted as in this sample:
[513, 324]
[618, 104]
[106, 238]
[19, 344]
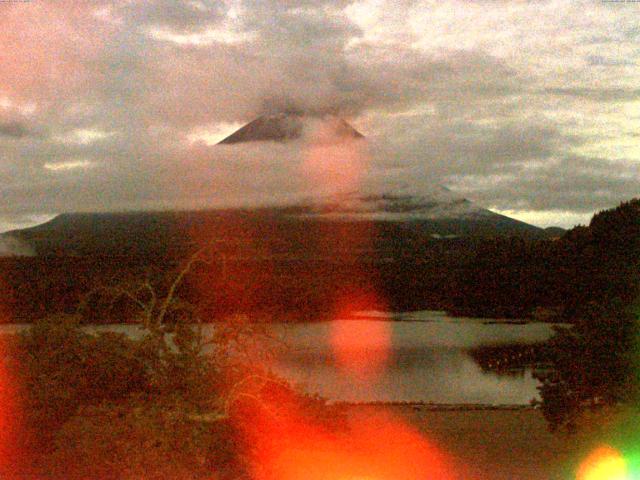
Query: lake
[424, 355]
[420, 357]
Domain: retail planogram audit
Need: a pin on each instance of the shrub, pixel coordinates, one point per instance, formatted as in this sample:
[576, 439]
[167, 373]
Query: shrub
[136, 439]
[64, 368]
[593, 365]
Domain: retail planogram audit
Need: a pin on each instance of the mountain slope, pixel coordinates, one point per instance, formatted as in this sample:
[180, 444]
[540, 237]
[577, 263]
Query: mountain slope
[391, 203]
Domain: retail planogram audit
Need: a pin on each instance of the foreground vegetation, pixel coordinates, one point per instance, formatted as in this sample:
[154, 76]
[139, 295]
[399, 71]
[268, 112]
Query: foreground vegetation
[111, 407]
[594, 364]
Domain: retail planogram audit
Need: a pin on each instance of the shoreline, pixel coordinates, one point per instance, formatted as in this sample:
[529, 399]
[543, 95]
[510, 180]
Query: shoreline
[427, 406]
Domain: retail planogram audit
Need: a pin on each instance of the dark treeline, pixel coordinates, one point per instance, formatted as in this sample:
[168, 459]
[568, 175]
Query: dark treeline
[289, 288]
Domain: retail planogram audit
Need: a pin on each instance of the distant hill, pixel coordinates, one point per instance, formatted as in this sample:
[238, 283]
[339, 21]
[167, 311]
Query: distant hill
[293, 262]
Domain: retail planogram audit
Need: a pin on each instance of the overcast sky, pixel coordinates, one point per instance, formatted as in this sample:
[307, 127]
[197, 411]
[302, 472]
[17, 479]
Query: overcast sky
[530, 108]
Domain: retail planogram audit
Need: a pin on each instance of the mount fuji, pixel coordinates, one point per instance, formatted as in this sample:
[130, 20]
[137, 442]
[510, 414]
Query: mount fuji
[400, 211]
[399, 203]
[403, 242]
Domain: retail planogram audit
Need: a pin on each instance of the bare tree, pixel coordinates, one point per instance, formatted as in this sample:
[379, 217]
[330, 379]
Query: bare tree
[237, 349]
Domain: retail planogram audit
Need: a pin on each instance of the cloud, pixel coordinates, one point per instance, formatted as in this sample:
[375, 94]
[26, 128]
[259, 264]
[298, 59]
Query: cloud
[508, 103]
[579, 185]
[439, 149]
[181, 15]
[599, 94]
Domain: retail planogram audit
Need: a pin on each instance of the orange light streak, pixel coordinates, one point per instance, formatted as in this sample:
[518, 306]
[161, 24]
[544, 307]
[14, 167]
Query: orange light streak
[288, 445]
[333, 164]
[290, 438]
[10, 454]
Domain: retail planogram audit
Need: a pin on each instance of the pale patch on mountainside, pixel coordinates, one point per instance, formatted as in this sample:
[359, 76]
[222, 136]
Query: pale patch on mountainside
[396, 205]
[11, 246]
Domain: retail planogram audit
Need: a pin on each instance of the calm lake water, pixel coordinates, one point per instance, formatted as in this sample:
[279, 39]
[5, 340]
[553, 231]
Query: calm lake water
[426, 359]
[422, 357]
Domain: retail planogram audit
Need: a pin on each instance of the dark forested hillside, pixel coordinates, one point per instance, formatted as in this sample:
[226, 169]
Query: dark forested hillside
[517, 277]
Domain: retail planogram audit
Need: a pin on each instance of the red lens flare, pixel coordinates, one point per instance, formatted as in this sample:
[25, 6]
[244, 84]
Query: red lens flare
[9, 402]
[361, 351]
[285, 437]
[8, 411]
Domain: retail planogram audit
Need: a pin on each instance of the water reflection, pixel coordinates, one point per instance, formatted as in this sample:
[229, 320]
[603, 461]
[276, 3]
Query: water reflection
[438, 375]
[428, 361]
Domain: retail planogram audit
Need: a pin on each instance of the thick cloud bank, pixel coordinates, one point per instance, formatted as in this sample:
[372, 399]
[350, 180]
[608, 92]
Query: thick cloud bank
[520, 106]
